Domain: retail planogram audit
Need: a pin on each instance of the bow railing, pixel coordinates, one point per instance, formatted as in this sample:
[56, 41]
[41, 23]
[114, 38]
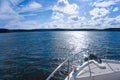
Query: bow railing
[66, 61]
[77, 58]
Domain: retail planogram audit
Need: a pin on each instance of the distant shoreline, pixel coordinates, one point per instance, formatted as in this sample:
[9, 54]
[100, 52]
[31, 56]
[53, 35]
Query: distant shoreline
[33, 30]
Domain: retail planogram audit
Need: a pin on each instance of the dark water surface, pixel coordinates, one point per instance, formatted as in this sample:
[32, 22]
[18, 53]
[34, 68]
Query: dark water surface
[34, 55]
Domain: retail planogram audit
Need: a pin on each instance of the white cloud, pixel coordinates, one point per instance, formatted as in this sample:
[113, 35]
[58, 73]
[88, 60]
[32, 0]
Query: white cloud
[15, 2]
[30, 14]
[99, 12]
[76, 21]
[105, 22]
[56, 24]
[65, 7]
[73, 18]
[111, 22]
[76, 18]
[57, 16]
[62, 8]
[5, 7]
[115, 9]
[104, 3]
[7, 12]
[16, 24]
[117, 18]
[57, 20]
[31, 7]
[64, 15]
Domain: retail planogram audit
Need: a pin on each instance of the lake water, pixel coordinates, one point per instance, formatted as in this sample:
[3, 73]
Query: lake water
[34, 55]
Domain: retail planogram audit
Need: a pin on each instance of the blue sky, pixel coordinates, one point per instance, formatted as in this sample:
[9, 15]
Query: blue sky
[37, 14]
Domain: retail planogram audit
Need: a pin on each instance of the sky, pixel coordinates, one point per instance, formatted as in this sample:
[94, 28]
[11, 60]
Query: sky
[49, 14]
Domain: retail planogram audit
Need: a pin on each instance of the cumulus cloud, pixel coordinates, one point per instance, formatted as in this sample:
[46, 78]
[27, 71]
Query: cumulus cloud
[76, 21]
[99, 12]
[57, 16]
[105, 22]
[61, 14]
[56, 24]
[75, 18]
[117, 18]
[111, 22]
[60, 10]
[31, 7]
[65, 7]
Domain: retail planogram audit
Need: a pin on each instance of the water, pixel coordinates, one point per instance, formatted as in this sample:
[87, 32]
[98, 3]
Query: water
[34, 55]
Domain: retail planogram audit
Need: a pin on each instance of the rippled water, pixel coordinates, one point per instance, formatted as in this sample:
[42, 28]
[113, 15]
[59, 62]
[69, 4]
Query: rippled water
[34, 55]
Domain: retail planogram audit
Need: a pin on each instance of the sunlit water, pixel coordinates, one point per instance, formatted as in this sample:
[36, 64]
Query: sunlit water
[34, 55]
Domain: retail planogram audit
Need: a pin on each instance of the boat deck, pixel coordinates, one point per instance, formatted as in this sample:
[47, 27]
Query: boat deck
[94, 71]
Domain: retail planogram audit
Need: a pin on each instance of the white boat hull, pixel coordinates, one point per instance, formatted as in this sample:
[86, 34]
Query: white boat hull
[110, 76]
[111, 72]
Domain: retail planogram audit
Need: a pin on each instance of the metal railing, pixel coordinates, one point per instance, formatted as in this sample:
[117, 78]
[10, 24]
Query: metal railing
[67, 60]
[105, 56]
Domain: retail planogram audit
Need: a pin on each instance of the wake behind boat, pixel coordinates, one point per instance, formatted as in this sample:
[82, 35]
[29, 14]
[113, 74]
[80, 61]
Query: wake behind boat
[92, 67]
